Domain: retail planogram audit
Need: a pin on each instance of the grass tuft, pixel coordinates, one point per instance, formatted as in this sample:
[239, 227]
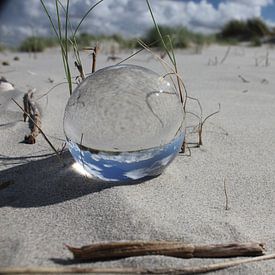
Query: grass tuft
[64, 41]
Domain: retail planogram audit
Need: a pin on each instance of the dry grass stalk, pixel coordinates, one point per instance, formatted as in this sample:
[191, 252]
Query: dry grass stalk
[225, 55]
[201, 120]
[213, 62]
[170, 71]
[226, 196]
[118, 250]
[80, 70]
[243, 79]
[91, 270]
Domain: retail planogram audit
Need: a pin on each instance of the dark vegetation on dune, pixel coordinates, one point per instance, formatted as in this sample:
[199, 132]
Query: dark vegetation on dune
[252, 30]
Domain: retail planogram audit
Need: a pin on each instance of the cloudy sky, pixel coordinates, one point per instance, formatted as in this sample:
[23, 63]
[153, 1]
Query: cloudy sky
[21, 18]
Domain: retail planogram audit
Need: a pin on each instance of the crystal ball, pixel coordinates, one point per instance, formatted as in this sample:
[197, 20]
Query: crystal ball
[124, 123]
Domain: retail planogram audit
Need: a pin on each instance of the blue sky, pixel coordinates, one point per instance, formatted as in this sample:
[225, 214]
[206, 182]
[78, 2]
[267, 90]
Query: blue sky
[268, 12]
[215, 3]
[22, 18]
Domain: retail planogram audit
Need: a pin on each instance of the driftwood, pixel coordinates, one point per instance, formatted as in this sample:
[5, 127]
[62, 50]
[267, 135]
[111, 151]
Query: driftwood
[91, 270]
[118, 250]
[38, 127]
[95, 52]
[31, 109]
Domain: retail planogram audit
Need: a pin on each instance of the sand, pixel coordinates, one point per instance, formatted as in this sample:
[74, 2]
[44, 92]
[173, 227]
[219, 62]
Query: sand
[49, 205]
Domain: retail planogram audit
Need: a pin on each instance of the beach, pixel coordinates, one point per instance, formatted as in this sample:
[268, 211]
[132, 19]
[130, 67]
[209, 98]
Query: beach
[48, 204]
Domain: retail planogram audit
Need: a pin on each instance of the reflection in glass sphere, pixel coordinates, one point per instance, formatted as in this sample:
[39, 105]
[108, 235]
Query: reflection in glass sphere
[124, 123]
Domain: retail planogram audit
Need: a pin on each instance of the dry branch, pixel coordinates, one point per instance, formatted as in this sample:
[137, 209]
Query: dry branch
[118, 250]
[43, 134]
[91, 270]
[31, 109]
[95, 51]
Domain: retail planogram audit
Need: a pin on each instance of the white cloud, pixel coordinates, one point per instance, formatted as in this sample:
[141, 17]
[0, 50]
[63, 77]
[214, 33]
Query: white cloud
[128, 17]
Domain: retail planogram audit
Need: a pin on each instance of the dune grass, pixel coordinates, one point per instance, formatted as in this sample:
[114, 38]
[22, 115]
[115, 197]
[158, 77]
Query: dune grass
[180, 36]
[250, 30]
[37, 44]
[62, 29]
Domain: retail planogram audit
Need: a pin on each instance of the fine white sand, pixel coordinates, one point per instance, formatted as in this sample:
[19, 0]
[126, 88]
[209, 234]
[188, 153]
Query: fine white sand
[49, 205]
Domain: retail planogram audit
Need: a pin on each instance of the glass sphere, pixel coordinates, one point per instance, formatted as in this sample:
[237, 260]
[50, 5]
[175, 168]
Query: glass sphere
[124, 123]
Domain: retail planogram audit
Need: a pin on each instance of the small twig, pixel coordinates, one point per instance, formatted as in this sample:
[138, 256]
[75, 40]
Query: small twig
[80, 69]
[226, 196]
[61, 151]
[213, 62]
[243, 79]
[31, 109]
[184, 147]
[226, 55]
[43, 134]
[94, 54]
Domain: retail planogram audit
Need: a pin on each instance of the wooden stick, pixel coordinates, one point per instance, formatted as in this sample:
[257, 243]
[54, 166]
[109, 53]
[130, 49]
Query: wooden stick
[95, 52]
[26, 106]
[91, 270]
[118, 250]
[31, 109]
[43, 134]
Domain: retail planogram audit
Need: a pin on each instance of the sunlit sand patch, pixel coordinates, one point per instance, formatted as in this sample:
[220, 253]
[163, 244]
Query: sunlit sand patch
[77, 167]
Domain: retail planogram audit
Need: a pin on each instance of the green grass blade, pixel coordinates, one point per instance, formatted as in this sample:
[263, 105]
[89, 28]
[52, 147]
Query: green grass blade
[50, 18]
[65, 47]
[159, 33]
[85, 15]
[66, 27]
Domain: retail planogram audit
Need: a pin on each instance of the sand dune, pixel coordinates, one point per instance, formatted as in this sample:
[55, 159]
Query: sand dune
[50, 204]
